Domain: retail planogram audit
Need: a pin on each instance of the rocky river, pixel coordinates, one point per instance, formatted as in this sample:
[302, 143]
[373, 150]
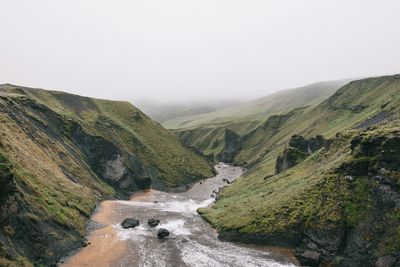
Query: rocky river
[192, 241]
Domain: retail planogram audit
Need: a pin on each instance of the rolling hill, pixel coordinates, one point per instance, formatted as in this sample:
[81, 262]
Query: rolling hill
[261, 108]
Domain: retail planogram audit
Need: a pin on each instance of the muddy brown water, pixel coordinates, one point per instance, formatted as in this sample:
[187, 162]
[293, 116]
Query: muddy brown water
[192, 242]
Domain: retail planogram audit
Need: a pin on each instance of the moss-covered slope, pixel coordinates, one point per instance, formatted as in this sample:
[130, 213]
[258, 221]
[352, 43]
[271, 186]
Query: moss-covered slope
[340, 203]
[205, 132]
[261, 108]
[60, 153]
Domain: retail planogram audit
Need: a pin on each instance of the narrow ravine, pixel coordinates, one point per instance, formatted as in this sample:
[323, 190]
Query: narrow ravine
[193, 242]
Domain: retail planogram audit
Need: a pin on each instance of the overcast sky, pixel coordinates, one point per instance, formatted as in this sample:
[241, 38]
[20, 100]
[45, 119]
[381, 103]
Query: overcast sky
[189, 50]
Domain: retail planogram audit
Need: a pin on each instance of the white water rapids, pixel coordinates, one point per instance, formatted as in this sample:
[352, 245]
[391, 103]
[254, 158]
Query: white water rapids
[192, 241]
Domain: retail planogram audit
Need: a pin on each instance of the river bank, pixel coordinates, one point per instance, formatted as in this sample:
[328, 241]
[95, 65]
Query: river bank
[193, 242]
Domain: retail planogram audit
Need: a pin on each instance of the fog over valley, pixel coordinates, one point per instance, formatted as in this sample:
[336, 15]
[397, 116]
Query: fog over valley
[178, 51]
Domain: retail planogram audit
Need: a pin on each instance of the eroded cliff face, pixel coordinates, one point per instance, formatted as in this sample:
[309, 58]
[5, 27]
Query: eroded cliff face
[118, 168]
[233, 143]
[297, 150]
[367, 230]
[60, 154]
[350, 216]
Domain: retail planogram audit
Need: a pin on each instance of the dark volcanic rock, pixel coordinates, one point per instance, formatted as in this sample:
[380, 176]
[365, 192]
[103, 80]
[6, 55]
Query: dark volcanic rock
[226, 181]
[309, 258]
[233, 144]
[162, 233]
[297, 150]
[130, 223]
[153, 222]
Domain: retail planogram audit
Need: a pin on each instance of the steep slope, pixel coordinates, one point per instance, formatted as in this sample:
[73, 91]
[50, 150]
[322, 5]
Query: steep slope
[206, 132]
[60, 153]
[261, 108]
[341, 204]
[211, 140]
[352, 104]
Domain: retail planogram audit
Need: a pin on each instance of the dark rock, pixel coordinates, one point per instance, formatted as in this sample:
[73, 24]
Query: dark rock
[386, 261]
[153, 222]
[375, 119]
[316, 143]
[109, 162]
[233, 144]
[297, 150]
[226, 181]
[130, 223]
[162, 233]
[383, 149]
[299, 142]
[309, 258]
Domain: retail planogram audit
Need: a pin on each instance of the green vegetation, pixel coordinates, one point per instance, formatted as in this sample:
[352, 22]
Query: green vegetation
[205, 132]
[334, 191]
[259, 109]
[61, 153]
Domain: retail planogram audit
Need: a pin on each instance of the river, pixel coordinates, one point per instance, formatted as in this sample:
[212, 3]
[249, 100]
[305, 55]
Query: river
[192, 242]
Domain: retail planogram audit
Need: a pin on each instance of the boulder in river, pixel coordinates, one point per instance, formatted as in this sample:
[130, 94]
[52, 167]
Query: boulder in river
[153, 222]
[309, 258]
[130, 223]
[162, 233]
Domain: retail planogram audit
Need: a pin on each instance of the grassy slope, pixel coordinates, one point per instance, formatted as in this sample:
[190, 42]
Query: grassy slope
[351, 104]
[122, 123]
[53, 189]
[260, 108]
[308, 194]
[205, 132]
[210, 139]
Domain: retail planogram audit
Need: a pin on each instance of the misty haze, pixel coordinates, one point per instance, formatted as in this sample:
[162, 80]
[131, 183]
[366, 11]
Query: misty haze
[200, 133]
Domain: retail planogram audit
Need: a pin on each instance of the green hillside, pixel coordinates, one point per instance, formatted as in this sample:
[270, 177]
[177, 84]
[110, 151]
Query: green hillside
[206, 132]
[210, 139]
[259, 109]
[60, 153]
[341, 202]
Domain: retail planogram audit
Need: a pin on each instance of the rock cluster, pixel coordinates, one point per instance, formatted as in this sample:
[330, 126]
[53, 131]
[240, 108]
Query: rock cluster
[132, 223]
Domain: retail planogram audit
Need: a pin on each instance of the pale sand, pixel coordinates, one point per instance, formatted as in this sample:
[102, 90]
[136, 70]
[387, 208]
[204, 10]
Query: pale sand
[105, 247]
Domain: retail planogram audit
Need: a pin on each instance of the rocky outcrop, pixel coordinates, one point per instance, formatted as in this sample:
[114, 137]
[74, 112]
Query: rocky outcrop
[360, 228]
[233, 144]
[370, 223]
[309, 258]
[115, 166]
[297, 150]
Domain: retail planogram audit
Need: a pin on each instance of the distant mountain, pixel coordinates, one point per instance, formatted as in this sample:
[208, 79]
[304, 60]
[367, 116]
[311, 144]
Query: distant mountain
[322, 179]
[162, 112]
[261, 108]
[60, 153]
